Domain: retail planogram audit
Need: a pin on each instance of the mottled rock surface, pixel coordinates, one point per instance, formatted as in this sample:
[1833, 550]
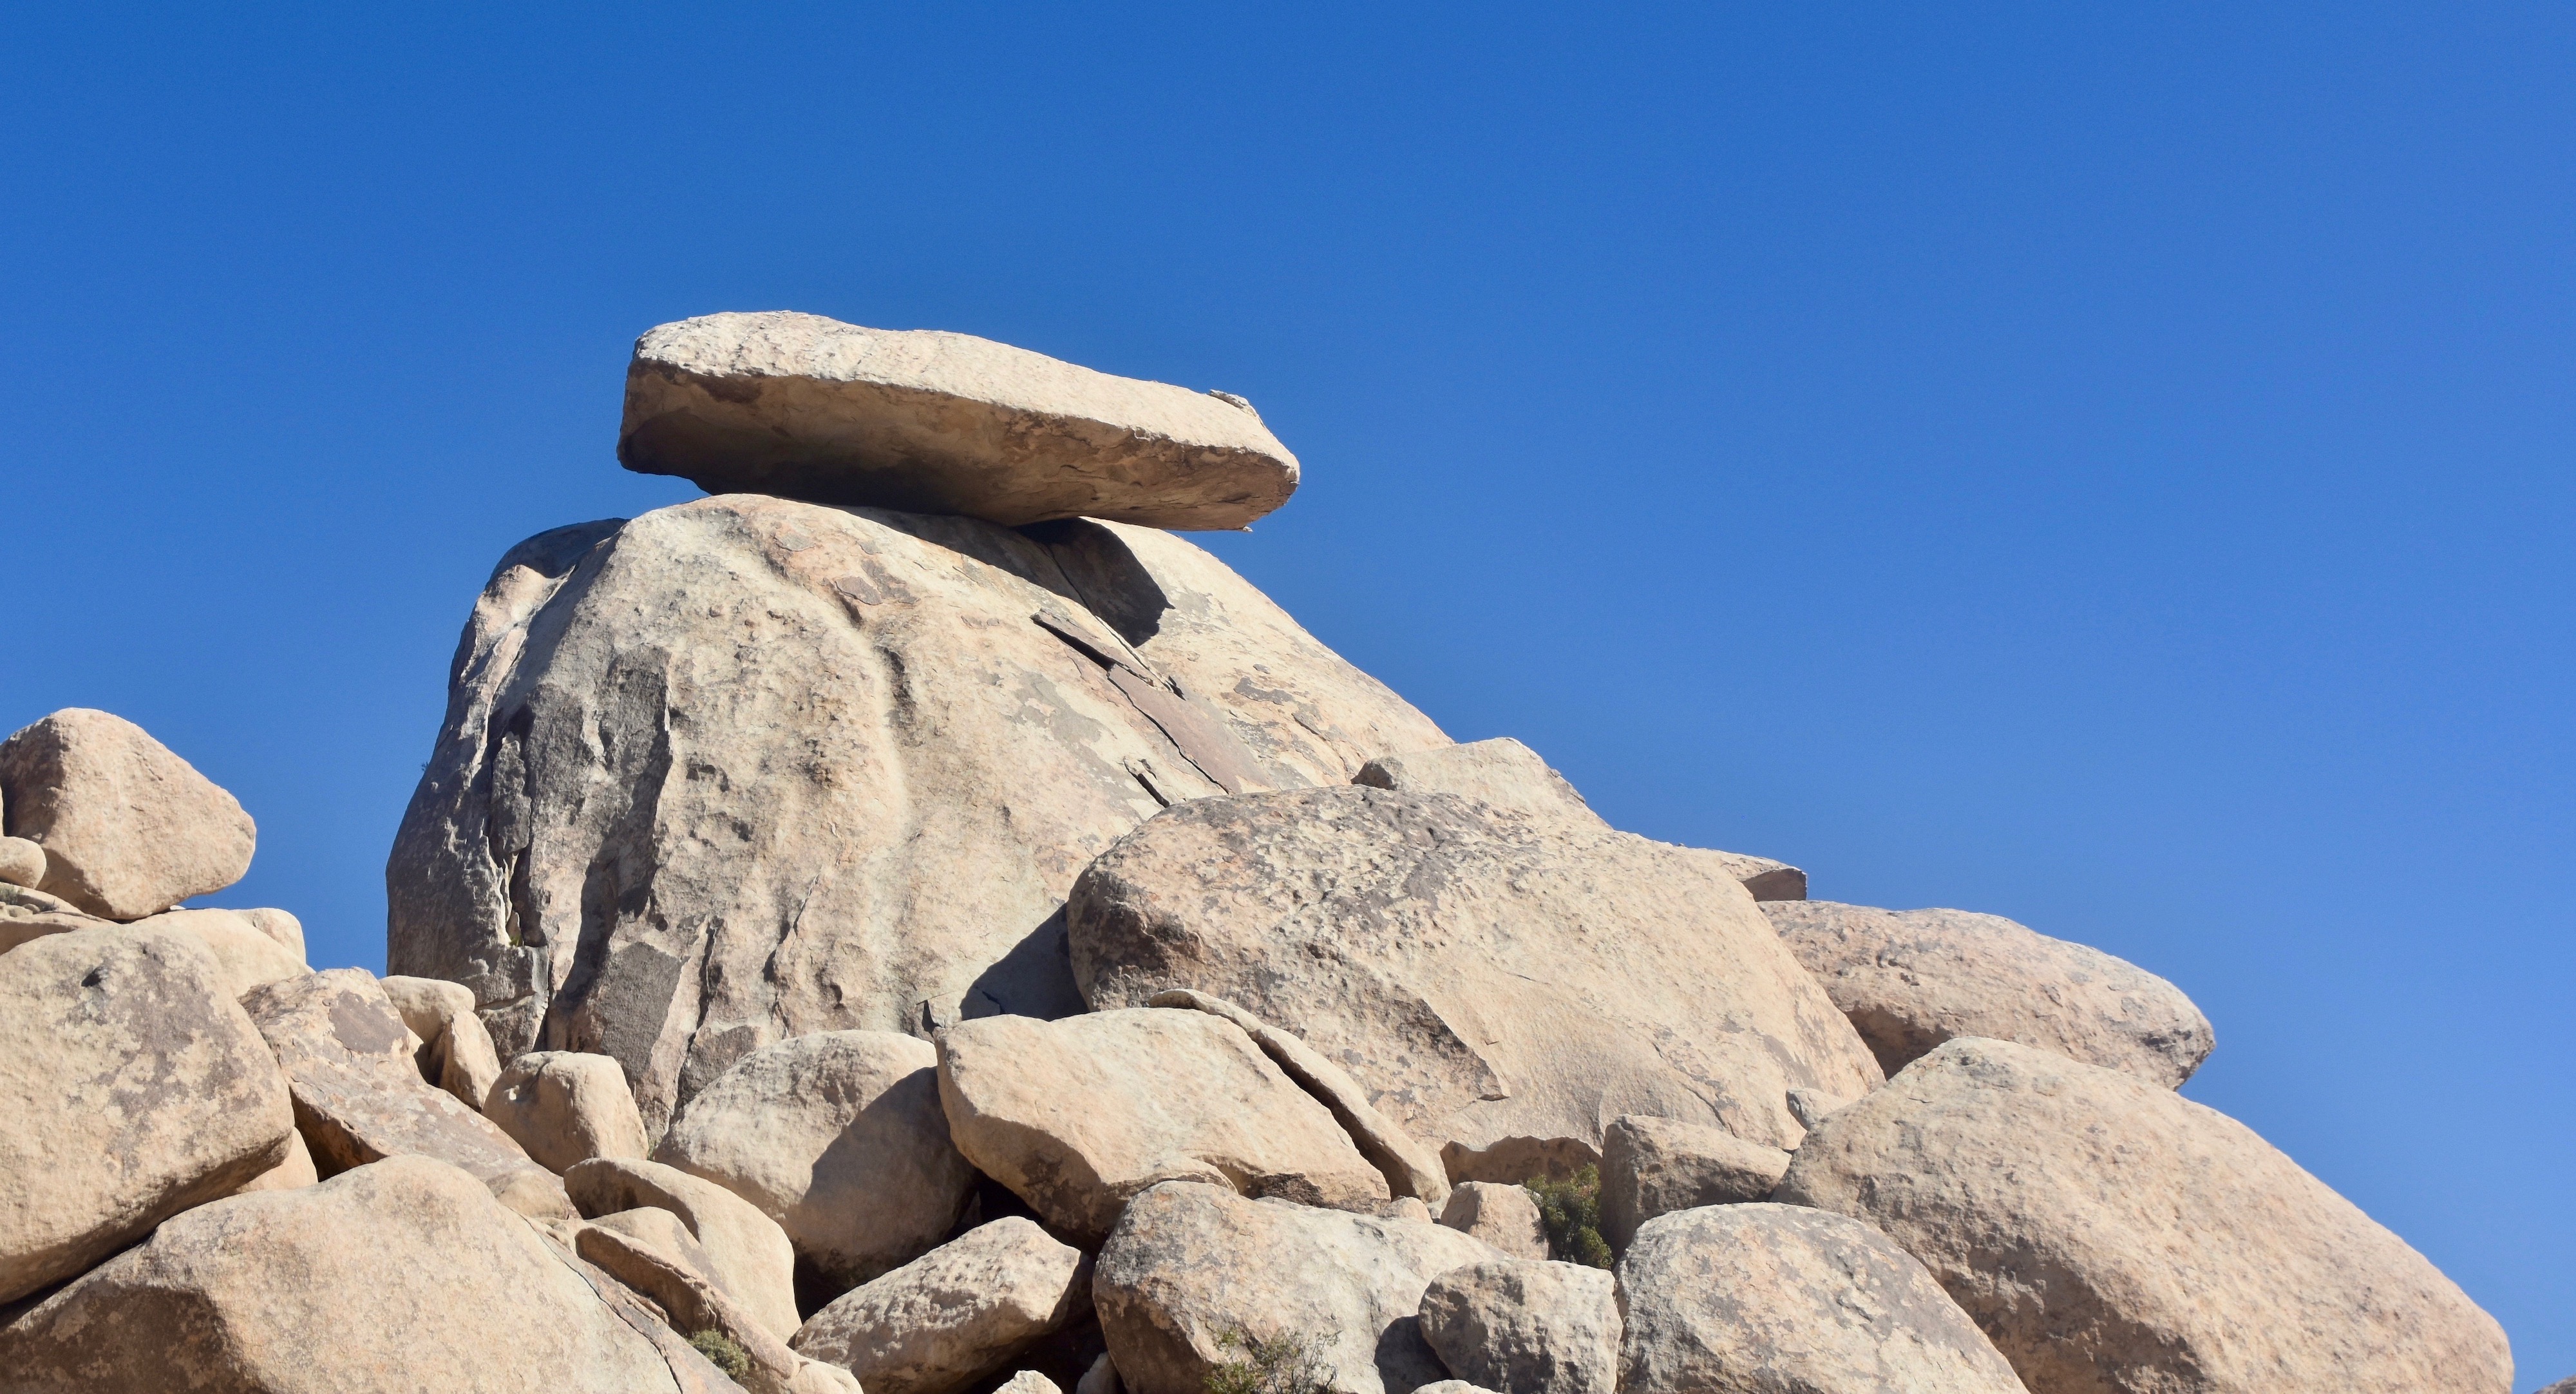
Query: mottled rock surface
[727, 773]
[837, 1136]
[1485, 974]
[2113, 1236]
[565, 1107]
[1517, 1326]
[134, 1089]
[1654, 1166]
[1190, 1263]
[747, 1252]
[952, 1316]
[1911, 979]
[129, 829]
[811, 408]
[1774, 1299]
[1077, 1115]
[1500, 1213]
[398, 1277]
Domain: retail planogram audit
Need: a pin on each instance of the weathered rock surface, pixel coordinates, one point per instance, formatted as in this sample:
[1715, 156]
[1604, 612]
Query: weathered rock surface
[1654, 1166]
[250, 958]
[1501, 1214]
[1773, 1299]
[1507, 774]
[726, 773]
[359, 1097]
[134, 1089]
[746, 1251]
[695, 1303]
[129, 829]
[1412, 1170]
[1029, 1382]
[1911, 979]
[2111, 1235]
[1190, 1263]
[952, 1316]
[840, 1139]
[279, 925]
[1485, 974]
[402, 1276]
[297, 1170]
[1521, 1327]
[27, 915]
[564, 1107]
[1078, 1115]
[811, 408]
[455, 1052]
[22, 863]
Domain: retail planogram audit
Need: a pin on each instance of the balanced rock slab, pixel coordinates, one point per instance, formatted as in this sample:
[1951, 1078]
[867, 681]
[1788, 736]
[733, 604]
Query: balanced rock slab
[359, 1097]
[565, 1107]
[1078, 1115]
[840, 1139]
[129, 829]
[1488, 976]
[134, 1089]
[397, 1277]
[745, 1250]
[952, 1316]
[1517, 1326]
[1507, 774]
[1654, 1166]
[2111, 1235]
[1911, 979]
[933, 422]
[730, 772]
[1191, 1264]
[1774, 1299]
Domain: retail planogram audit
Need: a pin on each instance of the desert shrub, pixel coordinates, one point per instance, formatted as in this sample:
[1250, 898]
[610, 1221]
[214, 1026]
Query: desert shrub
[723, 1352]
[1571, 1210]
[1287, 1364]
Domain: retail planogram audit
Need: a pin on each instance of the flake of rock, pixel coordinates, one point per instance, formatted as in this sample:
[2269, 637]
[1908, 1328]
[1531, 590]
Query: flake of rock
[749, 1254]
[1654, 1166]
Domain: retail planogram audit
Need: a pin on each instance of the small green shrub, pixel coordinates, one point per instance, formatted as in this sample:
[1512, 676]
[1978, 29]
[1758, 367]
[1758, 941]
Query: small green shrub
[1571, 1210]
[1276, 1365]
[723, 1352]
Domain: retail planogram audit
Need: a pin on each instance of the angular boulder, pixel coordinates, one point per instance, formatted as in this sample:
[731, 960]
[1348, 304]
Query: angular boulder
[725, 774]
[1911, 979]
[1191, 1265]
[1521, 1327]
[1773, 1299]
[455, 1051]
[134, 1089]
[840, 1139]
[129, 829]
[811, 408]
[1486, 975]
[1078, 1115]
[2111, 1235]
[564, 1107]
[401, 1276]
[359, 1097]
[1499, 1213]
[746, 1252]
[952, 1316]
[1507, 774]
[1654, 1166]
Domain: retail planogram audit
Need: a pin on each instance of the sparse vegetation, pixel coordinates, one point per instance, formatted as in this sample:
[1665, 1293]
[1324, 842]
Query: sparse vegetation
[1571, 1210]
[1286, 1364]
[723, 1352]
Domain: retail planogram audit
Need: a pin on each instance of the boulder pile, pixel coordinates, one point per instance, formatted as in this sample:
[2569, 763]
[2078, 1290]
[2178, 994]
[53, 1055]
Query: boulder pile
[912, 925]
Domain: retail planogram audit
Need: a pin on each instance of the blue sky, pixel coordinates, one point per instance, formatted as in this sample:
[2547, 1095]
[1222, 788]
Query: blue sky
[2104, 466]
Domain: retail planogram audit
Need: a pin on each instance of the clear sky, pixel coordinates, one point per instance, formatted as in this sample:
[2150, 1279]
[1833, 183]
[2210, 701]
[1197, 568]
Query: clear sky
[2108, 466]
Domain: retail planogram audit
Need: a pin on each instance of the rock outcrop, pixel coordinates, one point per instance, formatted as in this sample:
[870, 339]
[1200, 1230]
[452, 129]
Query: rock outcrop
[1521, 1327]
[455, 1051]
[952, 1316]
[729, 773]
[1191, 1267]
[1911, 979]
[133, 1089]
[565, 1108]
[1078, 1115]
[250, 957]
[1773, 1299]
[839, 1137]
[697, 1304]
[1488, 976]
[400, 1276]
[2110, 1235]
[811, 408]
[1654, 1166]
[128, 828]
[746, 1251]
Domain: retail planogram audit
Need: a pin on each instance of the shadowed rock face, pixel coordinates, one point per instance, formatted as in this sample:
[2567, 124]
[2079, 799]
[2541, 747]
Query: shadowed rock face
[747, 768]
